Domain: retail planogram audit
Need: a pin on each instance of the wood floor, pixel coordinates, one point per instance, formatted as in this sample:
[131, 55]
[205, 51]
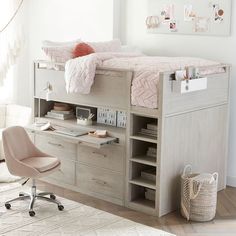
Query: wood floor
[223, 225]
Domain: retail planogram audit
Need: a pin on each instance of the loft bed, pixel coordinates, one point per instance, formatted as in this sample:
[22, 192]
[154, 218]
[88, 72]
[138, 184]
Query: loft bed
[192, 127]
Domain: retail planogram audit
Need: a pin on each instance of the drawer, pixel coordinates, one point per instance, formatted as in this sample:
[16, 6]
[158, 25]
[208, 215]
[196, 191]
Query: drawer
[101, 181]
[66, 174]
[108, 157]
[56, 146]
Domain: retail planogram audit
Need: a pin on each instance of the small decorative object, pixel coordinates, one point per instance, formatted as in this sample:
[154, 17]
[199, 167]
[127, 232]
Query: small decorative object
[98, 133]
[198, 195]
[168, 12]
[218, 13]
[152, 22]
[201, 24]
[85, 112]
[173, 26]
[82, 49]
[86, 121]
[189, 14]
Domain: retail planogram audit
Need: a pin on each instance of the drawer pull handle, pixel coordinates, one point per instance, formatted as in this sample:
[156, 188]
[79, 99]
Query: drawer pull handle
[99, 154]
[100, 182]
[55, 144]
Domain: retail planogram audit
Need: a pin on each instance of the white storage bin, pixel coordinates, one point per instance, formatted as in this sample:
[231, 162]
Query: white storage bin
[189, 86]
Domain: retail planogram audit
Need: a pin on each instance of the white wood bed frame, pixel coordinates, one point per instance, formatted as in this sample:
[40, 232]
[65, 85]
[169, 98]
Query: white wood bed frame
[192, 129]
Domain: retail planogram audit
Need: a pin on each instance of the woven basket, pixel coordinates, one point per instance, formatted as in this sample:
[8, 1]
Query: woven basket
[198, 195]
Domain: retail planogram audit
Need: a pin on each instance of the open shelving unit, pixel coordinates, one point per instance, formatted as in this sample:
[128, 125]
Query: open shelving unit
[140, 160]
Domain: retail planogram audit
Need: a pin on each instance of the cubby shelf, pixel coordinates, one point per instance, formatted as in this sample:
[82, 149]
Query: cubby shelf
[143, 182]
[151, 161]
[144, 138]
[141, 164]
[144, 203]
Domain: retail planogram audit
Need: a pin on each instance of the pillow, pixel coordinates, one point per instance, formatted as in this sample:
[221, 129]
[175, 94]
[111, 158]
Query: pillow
[48, 43]
[130, 49]
[107, 46]
[82, 49]
[59, 51]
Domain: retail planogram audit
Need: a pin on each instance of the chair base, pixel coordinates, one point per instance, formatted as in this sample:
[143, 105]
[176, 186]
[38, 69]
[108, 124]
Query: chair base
[33, 196]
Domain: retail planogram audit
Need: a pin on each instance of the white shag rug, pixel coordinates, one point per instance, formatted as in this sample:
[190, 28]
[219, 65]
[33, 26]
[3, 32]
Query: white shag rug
[76, 219]
[6, 176]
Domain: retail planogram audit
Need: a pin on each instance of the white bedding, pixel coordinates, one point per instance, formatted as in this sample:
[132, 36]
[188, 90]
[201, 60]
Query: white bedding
[80, 73]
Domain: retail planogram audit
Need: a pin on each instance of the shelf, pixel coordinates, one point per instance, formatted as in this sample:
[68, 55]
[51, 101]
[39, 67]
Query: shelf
[146, 112]
[73, 124]
[143, 182]
[144, 160]
[145, 138]
[144, 203]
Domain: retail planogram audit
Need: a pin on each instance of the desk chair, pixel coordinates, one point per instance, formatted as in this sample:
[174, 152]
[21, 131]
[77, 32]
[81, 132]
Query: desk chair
[25, 160]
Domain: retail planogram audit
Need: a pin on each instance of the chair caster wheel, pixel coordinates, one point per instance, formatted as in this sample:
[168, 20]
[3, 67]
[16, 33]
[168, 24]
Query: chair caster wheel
[8, 206]
[53, 197]
[60, 207]
[31, 213]
[21, 195]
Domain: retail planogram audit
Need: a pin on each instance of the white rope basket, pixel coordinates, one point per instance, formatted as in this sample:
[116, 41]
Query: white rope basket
[198, 195]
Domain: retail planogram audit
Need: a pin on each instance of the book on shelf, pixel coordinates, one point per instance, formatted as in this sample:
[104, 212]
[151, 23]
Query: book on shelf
[62, 112]
[148, 132]
[149, 174]
[152, 152]
[152, 126]
[60, 116]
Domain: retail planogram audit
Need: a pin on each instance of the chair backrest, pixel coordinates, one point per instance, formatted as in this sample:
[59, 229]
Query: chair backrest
[17, 144]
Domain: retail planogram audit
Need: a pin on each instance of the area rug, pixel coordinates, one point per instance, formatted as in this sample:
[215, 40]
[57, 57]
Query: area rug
[5, 176]
[76, 219]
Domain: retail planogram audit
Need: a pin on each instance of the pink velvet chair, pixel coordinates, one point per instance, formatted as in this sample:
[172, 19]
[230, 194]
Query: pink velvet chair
[25, 160]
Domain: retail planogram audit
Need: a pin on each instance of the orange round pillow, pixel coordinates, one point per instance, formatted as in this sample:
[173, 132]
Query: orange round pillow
[82, 49]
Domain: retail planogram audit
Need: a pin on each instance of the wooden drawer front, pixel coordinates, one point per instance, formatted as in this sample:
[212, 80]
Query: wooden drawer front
[99, 181]
[56, 147]
[109, 157]
[66, 174]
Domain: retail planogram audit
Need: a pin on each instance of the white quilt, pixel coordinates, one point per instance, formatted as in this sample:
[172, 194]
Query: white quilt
[80, 73]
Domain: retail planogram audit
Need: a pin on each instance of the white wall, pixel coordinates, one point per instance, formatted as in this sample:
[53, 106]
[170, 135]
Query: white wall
[60, 20]
[216, 48]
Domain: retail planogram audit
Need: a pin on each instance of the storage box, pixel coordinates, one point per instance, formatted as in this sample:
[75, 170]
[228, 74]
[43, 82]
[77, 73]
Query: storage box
[106, 116]
[188, 86]
[121, 119]
[149, 174]
[150, 194]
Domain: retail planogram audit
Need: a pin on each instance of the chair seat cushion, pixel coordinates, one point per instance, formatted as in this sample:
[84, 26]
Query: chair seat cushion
[42, 164]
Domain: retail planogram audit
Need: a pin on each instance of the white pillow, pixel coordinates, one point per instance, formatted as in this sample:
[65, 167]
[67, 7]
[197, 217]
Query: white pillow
[59, 51]
[107, 46]
[132, 49]
[48, 43]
